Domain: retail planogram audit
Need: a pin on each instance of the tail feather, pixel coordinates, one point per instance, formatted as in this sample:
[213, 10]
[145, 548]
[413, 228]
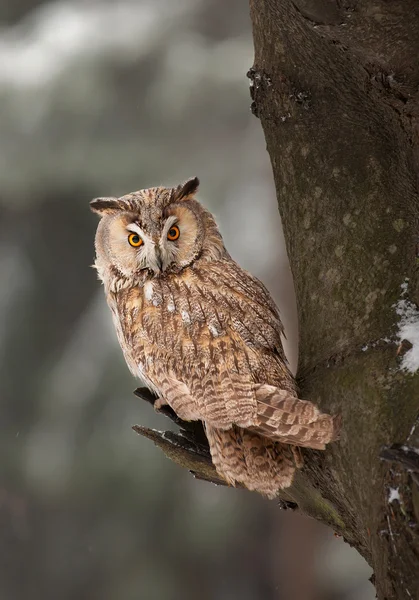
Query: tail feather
[226, 453]
[283, 417]
[244, 457]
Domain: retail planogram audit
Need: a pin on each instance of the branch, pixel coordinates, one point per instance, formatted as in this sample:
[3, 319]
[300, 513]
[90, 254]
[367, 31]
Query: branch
[189, 449]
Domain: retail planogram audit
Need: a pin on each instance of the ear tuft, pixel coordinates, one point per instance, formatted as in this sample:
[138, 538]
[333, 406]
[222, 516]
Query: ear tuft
[105, 206]
[186, 190]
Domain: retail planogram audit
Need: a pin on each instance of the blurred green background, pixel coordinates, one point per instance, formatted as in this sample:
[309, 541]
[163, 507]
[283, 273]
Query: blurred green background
[102, 98]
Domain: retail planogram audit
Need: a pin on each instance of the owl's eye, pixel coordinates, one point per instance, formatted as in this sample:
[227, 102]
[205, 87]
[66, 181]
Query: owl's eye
[135, 240]
[173, 233]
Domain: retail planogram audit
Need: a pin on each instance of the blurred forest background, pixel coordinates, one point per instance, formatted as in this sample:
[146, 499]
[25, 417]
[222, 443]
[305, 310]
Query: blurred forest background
[102, 98]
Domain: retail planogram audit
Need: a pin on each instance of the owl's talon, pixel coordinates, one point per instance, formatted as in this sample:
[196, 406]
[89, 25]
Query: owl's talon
[159, 403]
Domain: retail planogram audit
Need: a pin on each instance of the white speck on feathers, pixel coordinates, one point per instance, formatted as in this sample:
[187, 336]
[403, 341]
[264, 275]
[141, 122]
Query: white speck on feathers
[393, 495]
[148, 291]
[171, 305]
[214, 330]
[408, 329]
[186, 318]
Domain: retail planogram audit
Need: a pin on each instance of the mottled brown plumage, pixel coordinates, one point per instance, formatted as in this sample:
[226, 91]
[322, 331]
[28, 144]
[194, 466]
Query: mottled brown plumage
[204, 334]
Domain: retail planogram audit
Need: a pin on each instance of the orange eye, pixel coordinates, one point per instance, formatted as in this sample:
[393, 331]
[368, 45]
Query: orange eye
[173, 233]
[135, 240]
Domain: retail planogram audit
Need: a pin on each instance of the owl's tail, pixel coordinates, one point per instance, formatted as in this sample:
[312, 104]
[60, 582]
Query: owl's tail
[281, 416]
[260, 464]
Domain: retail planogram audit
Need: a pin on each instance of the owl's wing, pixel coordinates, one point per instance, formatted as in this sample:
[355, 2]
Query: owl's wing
[279, 413]
[241, 456]
[291, 420]
[211, 318]
[211, 382]
[230, 347]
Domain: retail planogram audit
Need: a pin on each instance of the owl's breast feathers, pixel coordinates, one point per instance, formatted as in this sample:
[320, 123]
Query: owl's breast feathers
[210, 319]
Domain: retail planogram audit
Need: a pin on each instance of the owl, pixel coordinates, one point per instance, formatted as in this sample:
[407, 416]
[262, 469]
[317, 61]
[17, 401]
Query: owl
[204, 335]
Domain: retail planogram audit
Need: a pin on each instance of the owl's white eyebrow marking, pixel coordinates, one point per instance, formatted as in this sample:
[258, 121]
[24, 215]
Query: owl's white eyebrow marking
[169, 222]
[136, 229]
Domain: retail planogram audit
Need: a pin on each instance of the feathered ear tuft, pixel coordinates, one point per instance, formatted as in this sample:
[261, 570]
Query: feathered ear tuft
[186, 190]
[105, 206]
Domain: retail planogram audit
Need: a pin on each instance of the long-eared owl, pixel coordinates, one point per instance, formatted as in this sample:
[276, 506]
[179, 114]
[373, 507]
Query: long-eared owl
[204, 334]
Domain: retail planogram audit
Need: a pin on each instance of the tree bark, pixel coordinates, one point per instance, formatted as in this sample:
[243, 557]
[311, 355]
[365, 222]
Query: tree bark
[335, 85]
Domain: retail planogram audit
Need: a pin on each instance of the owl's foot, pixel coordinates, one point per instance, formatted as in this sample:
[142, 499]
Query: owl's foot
[159, 403]
[146, 394]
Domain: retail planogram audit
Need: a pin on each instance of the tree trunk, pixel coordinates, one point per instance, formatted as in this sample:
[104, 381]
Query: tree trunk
[335, 85]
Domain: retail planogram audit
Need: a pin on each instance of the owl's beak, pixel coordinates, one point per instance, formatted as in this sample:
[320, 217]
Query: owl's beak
[159, 260]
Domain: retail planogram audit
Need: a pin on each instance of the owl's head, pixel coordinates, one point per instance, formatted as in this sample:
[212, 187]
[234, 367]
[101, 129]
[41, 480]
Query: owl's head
[159, 230]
